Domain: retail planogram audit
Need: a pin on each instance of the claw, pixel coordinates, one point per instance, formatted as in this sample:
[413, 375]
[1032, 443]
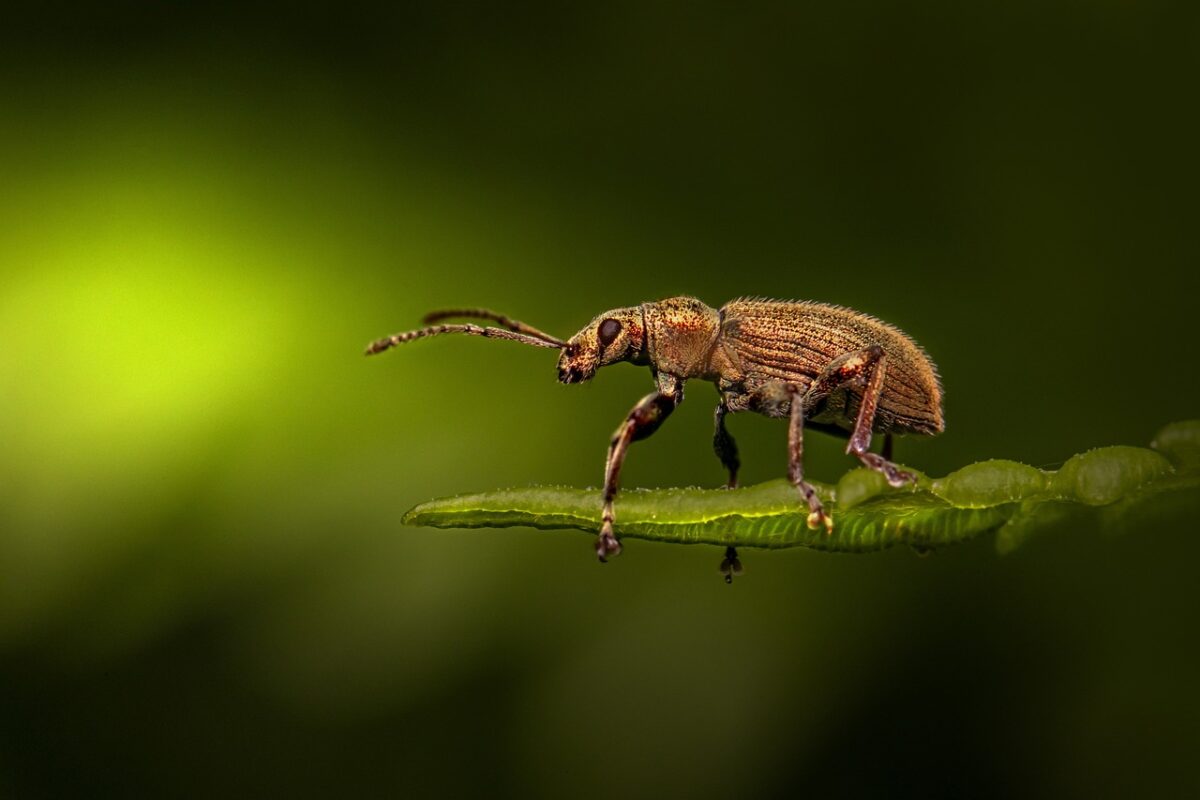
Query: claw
[606, 543]
[895, 476]
[817, 518]
[731, 566]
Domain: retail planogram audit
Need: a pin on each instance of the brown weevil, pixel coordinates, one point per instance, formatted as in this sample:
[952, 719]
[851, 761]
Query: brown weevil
[822, 366]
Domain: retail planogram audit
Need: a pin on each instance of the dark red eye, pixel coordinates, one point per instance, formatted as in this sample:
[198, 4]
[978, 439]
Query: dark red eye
[609, 330]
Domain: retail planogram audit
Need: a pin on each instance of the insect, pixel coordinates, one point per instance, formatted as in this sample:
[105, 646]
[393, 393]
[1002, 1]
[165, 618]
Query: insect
[817, 365]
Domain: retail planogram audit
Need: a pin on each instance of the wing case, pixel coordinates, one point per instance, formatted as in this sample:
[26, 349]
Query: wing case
[770, 340]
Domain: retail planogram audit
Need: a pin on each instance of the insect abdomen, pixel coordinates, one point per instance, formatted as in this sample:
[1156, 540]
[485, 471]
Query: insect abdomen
[771, 340]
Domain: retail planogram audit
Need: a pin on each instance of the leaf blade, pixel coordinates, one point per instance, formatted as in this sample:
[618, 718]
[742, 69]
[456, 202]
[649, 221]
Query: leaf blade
[1006, 496]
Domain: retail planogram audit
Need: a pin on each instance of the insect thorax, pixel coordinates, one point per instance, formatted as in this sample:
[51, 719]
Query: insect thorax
[681, 333]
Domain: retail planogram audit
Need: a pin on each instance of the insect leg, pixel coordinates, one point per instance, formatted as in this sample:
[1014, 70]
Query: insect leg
[724, 445]
[731, 566]
[864, 369]
[816, 514]
[643, 420]
[726, 449]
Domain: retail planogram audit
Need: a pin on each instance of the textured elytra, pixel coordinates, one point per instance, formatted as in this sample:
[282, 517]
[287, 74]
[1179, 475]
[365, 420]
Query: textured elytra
[763, 341]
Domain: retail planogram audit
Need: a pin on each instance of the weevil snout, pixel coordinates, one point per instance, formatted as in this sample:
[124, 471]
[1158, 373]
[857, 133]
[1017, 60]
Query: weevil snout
[573, 369]
[578, 362]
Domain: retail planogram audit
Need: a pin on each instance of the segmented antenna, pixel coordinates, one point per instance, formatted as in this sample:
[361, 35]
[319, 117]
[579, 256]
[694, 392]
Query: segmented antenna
[500, 319]
[387, 342]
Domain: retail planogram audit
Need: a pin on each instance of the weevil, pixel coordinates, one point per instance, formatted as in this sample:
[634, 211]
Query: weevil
[820, 366]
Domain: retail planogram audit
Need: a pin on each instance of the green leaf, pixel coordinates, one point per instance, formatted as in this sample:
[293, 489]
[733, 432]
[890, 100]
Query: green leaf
[1112, 485]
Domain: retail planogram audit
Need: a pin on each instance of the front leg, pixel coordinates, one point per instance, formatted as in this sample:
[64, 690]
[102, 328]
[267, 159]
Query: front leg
[643, 420]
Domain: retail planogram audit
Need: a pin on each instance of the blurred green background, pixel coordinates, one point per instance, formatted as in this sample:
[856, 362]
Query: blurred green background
[206, 213]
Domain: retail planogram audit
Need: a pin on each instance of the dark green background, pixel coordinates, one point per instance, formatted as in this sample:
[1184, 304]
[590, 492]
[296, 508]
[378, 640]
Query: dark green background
[206, 213]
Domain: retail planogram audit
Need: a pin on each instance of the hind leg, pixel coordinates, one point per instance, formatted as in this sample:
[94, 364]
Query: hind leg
[864, 370]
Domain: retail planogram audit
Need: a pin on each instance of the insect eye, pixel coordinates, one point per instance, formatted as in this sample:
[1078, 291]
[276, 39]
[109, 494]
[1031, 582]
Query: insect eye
[609, 330]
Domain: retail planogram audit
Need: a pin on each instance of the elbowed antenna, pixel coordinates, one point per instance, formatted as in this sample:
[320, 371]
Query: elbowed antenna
[380, 345]
[504, 322]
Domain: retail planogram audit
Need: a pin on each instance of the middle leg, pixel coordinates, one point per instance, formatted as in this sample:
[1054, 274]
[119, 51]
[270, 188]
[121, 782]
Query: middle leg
[816, 513]
[726, 449]
[779, 399]
[724, 445]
